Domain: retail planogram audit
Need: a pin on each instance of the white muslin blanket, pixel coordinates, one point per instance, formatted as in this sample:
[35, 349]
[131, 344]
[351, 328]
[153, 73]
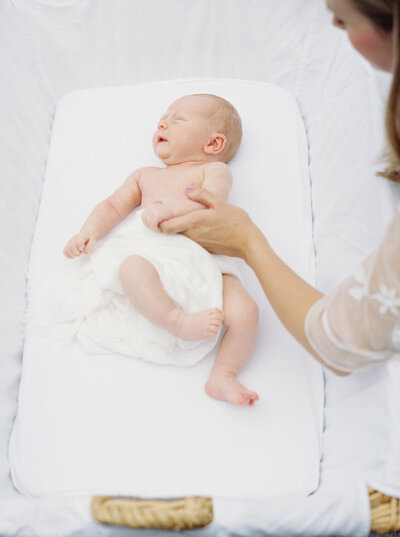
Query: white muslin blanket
[86, 300]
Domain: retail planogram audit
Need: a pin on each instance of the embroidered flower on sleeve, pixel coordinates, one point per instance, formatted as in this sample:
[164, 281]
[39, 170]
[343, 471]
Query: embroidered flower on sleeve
[360, 292]
[389, 300]
[387, 297]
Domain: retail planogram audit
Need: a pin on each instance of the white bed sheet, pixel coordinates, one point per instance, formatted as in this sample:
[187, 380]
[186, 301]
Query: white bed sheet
[50, 47]
[117, 425]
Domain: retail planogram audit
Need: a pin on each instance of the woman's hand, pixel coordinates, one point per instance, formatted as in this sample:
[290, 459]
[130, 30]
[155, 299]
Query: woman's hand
[221, 229]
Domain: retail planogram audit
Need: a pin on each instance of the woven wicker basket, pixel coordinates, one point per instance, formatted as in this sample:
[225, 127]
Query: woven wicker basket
[385, 512]
[182, 514]
[192, 512]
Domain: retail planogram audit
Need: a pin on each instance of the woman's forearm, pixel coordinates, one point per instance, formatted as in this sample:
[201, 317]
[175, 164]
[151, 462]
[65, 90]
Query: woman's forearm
[289, 295]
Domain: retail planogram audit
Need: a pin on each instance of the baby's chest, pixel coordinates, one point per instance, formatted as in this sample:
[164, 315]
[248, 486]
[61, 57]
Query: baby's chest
[170, 185]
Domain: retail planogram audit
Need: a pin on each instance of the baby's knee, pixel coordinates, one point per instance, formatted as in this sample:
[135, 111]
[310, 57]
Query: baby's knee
[251, 311]
[245, 313]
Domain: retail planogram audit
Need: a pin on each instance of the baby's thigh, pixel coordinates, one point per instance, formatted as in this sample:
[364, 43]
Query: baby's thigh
[135, 268]
[238, 305]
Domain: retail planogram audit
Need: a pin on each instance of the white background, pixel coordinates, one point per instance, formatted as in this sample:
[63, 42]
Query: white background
[49, 47]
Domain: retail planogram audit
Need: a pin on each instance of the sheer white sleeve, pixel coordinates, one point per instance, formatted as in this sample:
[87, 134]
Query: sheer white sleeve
[358, 323]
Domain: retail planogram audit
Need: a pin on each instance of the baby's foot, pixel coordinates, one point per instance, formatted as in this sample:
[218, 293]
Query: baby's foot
[196, 326]
[224, 387]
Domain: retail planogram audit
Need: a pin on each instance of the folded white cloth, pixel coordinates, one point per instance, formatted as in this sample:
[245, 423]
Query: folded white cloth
[86, 299]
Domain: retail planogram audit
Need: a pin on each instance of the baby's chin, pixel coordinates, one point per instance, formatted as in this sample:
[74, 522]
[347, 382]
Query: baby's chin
[163, 154]
[170, 160]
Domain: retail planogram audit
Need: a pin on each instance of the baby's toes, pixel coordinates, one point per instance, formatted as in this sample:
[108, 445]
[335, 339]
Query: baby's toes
[216, 315]
[213, 329]
[215, 322]
[249, 397]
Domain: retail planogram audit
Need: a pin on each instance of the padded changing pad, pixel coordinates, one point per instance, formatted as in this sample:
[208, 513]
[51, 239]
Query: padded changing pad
[112, 424]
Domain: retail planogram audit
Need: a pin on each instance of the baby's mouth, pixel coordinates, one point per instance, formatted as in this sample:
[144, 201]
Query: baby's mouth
[161, 139]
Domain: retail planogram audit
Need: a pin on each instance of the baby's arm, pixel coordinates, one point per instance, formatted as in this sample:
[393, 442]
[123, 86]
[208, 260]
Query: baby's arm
[217, 179]
[105, 216]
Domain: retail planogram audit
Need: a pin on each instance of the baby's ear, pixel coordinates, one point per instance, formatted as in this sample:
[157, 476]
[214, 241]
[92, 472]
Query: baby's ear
[216, 144]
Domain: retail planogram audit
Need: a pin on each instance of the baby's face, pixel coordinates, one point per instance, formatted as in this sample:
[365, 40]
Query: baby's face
[183, 132]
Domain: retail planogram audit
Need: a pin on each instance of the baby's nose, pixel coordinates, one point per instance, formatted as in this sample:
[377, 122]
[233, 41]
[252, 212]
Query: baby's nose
[162, 124]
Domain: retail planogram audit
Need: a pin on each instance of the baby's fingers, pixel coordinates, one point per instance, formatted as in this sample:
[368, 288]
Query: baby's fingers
[150, 220]
[72, 249]
[89, 246]
[69, 250]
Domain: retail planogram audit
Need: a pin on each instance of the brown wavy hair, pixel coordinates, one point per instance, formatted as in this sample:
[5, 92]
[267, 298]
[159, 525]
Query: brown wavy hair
[385, 15]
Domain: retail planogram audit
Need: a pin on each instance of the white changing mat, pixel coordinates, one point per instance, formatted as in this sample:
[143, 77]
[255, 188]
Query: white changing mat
[118, 425]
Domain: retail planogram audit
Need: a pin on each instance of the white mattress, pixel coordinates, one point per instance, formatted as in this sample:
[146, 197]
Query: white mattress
[117, 425]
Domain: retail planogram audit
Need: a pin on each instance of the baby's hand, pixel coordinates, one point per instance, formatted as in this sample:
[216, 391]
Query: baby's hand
[82, 243]
[153, 215]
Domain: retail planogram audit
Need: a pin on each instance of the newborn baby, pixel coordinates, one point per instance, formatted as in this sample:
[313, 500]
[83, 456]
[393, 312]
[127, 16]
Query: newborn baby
[195, 139]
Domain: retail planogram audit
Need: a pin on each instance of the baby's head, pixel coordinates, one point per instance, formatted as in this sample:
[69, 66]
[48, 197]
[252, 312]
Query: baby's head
[198, 128]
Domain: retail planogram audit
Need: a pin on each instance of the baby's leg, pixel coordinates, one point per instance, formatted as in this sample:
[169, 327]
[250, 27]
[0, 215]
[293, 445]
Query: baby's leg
[241, 320]
[143, 286]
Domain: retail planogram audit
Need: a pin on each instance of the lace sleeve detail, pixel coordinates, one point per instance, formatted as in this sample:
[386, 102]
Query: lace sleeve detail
[358, 323]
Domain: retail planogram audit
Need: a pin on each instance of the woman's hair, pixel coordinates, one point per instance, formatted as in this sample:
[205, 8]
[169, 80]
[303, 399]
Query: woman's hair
[385, 15]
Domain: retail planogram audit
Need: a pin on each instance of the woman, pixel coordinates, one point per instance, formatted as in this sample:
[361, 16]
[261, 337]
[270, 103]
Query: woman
[358, 323]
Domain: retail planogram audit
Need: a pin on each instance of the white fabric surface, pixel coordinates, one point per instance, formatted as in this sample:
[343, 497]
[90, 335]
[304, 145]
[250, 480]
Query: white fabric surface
[49, 47]
[85, 300]
[252, 454]
[387, 475]
[54, 517]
